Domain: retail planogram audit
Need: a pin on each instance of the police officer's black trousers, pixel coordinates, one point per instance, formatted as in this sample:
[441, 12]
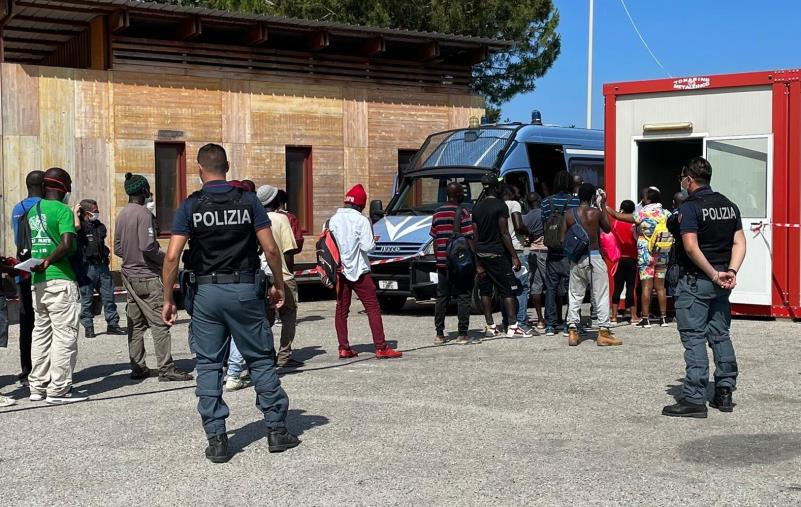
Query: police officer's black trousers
[222, 310]
[703, 315]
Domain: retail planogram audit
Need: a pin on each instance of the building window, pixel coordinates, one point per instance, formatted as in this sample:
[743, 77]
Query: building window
[170, 182]
[299, 185]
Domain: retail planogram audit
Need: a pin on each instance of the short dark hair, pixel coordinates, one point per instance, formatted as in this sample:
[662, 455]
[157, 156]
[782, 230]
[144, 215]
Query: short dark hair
[562, 182]
[699, 169]
[586, 192]
[283, 196]
[213, 159]
[508, 192]
[34, 179]
[653, 195]
[534, 199]
[627, 206]
[250, 186]
[86, 204]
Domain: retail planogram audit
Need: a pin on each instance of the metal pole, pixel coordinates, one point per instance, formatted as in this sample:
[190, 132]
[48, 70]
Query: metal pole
[589, 71]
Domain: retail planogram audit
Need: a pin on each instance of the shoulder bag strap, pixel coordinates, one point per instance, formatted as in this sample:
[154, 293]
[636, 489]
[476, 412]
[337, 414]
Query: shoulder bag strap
[457, 221]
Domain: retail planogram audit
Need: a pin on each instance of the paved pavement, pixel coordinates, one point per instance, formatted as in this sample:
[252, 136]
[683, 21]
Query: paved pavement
[506, 422]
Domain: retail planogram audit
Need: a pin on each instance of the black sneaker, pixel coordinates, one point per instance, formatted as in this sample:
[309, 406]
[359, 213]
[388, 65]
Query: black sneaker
[90, 332]
[722, 400]
[174, 375]
[217, 451]
[663, 322]
[279, 440]
[115, 330]
[685, 409]
[141, 374]
[644, 323]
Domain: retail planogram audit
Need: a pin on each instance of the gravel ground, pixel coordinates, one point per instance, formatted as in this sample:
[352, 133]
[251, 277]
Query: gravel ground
[506, 422]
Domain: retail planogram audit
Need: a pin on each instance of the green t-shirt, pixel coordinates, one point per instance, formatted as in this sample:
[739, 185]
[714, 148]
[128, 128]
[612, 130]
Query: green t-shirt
[58, 219]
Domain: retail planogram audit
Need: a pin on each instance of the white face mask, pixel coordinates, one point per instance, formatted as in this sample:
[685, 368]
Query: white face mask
[66, 198]
[151, 206]
[93, 217]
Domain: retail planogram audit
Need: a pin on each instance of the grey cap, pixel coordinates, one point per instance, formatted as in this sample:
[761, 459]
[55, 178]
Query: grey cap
[266, 194]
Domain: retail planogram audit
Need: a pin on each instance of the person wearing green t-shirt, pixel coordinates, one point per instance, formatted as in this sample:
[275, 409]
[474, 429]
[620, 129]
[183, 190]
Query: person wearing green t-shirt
[56, 299]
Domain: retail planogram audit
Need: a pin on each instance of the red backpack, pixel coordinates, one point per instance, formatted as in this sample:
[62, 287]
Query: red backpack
[329, 261]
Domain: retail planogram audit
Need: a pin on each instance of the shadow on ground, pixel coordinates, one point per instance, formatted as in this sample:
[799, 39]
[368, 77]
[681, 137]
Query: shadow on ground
[741, 450]
[297, 422]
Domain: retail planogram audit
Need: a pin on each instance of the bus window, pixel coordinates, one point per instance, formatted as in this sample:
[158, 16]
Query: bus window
[519, 180]
[591, 170]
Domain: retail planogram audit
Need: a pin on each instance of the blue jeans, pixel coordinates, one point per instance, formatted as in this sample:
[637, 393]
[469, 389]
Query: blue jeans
[236, 363]
[557, 276]
[522, 298]
[101, 280]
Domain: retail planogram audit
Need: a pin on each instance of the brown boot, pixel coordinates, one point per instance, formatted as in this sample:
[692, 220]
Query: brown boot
[573, 337]
[607, 339]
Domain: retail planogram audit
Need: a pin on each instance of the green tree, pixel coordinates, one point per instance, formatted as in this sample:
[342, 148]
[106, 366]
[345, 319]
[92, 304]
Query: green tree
[530, 24]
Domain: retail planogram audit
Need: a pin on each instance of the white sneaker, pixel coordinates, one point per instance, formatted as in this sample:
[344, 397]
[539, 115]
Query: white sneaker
[36, 397]
[5, 401]
[236, 383]
[516, 331]
[491, 331]
[65, 399]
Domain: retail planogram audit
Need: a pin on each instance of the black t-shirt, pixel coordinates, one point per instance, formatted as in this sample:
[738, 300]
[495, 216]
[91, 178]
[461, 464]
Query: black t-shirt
[485, 218]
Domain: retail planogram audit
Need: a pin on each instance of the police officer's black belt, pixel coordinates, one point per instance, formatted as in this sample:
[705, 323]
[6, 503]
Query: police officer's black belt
[226, 278]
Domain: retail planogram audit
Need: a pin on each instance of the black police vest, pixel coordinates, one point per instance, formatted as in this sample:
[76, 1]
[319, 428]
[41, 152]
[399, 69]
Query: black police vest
[223, 239]
[718, 218]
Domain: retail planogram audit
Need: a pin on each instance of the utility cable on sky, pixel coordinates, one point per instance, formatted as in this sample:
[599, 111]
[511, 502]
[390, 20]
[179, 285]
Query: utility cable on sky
[634, 25]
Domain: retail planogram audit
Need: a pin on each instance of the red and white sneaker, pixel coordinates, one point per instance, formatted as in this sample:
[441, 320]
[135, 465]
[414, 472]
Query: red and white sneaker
[492, 331]
[388, 353]
[515, 331]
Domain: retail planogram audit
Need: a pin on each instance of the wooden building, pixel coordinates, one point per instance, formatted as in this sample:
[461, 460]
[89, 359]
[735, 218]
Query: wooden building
[104, 87]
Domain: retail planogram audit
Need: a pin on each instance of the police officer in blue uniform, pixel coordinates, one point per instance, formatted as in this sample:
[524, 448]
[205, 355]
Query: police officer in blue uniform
[710, 251]
[226, 225]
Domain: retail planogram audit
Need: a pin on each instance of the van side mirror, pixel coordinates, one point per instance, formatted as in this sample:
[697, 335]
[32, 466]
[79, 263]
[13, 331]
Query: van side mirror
[376, 211]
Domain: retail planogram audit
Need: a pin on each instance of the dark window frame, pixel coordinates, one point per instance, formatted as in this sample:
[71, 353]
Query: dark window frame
[165, 229]
[307, 225]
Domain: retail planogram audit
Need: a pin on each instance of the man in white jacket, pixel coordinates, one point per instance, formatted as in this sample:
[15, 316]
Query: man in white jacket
[354, 236]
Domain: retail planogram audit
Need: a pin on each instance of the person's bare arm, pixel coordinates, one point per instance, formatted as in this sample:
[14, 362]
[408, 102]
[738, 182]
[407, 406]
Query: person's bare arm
[603, 220]
[567, 223]
[63, 249]
[169, 312]
[503, 223]
[737, 256]
[270, 249]
[623, 217]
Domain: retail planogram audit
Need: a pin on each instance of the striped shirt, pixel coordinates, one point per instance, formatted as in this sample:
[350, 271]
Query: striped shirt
[442, 230]
[559, 200]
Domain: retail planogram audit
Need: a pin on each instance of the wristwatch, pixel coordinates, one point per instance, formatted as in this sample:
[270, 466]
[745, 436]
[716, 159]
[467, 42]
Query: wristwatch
[732, 270]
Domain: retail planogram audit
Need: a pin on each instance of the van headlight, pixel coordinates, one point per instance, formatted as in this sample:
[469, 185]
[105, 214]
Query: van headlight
[429, 249]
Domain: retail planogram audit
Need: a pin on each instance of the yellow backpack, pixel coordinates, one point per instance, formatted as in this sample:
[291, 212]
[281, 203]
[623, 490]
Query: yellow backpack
[661, 241]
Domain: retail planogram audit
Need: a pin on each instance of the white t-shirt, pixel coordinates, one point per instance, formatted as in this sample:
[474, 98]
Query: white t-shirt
[517, 242]
[355, 238]
[284, 239]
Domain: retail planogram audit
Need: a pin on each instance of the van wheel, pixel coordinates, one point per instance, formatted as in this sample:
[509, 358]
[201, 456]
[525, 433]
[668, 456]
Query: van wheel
[392, 304]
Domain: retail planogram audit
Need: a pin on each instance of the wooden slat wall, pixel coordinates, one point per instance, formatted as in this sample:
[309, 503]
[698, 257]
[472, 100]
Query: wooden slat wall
[101, 124]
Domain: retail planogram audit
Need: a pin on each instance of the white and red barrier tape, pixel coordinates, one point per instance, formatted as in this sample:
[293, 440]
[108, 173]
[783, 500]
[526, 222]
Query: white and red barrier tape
[313, 271]
[761, 225]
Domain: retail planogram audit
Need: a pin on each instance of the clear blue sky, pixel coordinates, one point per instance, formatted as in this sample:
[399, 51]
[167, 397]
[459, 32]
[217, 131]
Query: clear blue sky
[690, 37]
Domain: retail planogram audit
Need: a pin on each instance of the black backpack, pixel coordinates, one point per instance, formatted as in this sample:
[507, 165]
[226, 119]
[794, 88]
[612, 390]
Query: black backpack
[329, 261]
[24, 243]
[553, 226]
[461, 261]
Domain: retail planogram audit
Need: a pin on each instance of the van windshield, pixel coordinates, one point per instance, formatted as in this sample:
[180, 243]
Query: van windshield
[479, 147]
[423, 195]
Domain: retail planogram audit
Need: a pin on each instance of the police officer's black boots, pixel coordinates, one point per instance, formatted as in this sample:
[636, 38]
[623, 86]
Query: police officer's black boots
[279, 440]
[217, 451]
[115, 330]
[722, 400]
[685, 409]
[90, 332]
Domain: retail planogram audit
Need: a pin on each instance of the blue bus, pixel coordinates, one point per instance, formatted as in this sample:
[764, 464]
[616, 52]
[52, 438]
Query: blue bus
[525, 155]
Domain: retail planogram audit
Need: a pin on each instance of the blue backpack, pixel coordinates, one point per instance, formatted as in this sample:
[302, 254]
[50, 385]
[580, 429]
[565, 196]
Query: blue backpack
[461, 262]
[577, 241]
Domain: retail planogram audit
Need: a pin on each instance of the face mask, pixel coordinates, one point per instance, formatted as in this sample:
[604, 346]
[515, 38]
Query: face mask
[149, 199]
[93, 217]
[66, 198]
[151, 206]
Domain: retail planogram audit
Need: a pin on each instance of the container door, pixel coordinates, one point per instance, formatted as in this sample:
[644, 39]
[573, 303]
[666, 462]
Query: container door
[742, 170]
